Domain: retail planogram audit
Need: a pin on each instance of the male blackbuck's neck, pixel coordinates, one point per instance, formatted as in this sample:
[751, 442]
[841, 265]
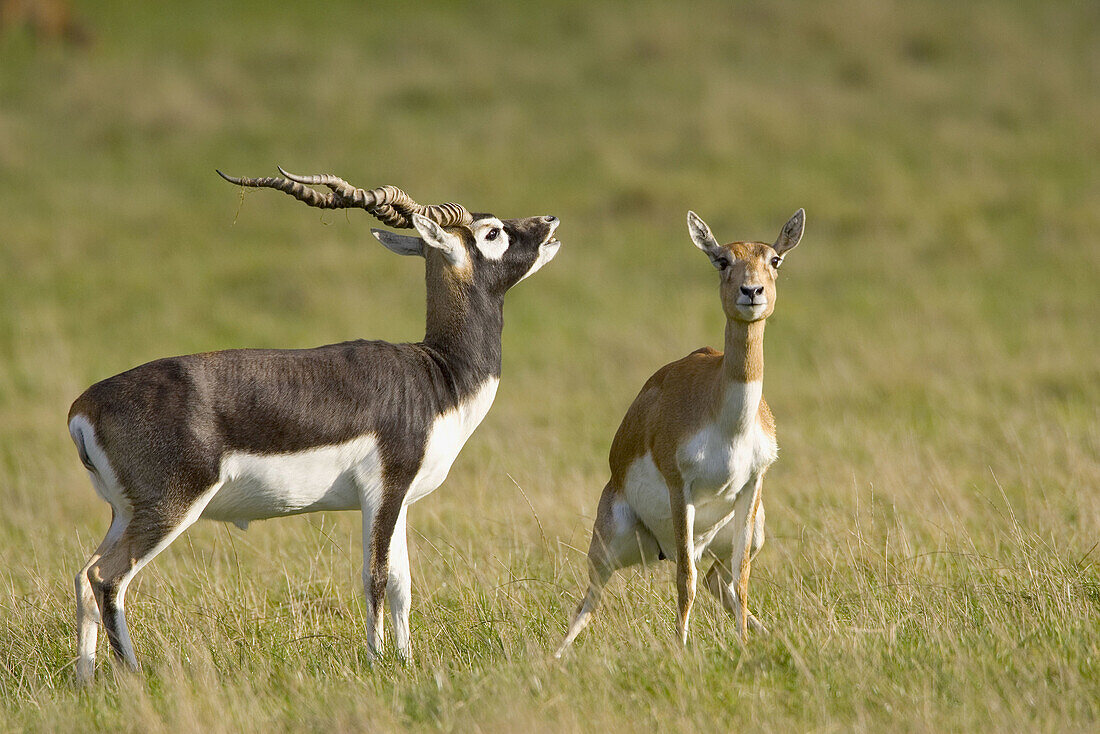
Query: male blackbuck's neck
[742, 374]
[464, 327]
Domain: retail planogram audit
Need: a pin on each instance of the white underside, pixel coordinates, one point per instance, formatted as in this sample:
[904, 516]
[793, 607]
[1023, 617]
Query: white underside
[719, 462]
[341, 476]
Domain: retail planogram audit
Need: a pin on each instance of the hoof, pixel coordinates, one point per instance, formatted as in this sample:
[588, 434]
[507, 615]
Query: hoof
[756, 627]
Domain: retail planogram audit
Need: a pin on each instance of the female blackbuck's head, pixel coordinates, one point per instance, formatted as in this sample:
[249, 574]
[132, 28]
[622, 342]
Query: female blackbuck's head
[748, 270]
[477, 250]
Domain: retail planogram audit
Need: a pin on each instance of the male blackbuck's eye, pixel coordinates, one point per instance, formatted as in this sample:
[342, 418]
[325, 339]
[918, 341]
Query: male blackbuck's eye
[492, 234]
[776, 262]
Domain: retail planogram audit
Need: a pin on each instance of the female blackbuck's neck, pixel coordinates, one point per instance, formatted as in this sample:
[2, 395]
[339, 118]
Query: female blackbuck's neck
[742, 374]
[464, 327]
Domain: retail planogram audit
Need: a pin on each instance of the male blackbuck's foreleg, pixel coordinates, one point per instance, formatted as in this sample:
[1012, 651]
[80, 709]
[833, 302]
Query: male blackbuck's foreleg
[399, 587]
[386, 561]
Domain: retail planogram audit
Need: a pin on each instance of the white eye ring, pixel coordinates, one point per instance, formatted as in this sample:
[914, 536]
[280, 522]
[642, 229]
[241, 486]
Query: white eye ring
[492, 234]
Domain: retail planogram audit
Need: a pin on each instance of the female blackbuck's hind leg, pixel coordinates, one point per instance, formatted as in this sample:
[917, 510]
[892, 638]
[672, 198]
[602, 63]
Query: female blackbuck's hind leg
[619, 540]
[87, 609]
[149, 531]
[730, 588]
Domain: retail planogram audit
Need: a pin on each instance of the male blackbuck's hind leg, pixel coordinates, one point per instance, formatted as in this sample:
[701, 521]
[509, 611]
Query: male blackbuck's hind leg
[731, 588]
[150, 530]
[87, 609]
[619, 540]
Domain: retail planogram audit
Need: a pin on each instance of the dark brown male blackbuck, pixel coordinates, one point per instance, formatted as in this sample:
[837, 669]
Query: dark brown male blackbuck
[251, 434]
[688, 461]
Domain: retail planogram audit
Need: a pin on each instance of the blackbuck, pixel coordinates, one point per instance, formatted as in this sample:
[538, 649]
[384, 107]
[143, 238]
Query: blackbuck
[244, 435]
[688, 461]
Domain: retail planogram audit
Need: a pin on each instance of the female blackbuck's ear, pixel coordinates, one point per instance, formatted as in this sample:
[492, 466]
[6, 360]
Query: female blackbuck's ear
[791, 234]
[435, 236]
[400, 243]
[704, 240]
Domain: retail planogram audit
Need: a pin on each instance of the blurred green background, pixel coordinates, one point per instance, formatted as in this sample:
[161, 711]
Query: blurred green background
[933, 362]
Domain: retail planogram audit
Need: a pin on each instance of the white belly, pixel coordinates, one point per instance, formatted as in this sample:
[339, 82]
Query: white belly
[255, 487]
[336, 477]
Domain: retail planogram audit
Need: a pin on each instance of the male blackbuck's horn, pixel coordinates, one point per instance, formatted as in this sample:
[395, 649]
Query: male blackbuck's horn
[391, 205]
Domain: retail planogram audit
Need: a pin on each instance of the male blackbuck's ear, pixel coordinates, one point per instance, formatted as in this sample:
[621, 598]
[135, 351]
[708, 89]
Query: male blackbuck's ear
[435, 236]
[400, 243]
[704, 240]
[791, 233]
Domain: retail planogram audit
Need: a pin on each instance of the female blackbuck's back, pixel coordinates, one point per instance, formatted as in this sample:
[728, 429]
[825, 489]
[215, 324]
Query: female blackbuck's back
[688, 461]
[250, 434]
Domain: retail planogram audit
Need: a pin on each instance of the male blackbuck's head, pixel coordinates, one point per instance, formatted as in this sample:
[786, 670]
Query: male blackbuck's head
[478, 250]
[747, 269]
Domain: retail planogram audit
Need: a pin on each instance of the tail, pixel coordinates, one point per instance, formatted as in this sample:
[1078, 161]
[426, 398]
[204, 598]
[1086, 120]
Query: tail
[76, 430]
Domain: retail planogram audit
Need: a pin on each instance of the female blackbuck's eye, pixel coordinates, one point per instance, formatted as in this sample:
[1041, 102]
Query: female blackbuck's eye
[492, 234]
[776, 262]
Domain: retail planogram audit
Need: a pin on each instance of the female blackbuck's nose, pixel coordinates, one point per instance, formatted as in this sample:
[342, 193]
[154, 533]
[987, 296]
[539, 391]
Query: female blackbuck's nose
[549, 219]
[752, 291]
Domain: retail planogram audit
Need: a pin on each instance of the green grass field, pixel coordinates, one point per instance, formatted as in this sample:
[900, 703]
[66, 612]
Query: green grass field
[933, 363]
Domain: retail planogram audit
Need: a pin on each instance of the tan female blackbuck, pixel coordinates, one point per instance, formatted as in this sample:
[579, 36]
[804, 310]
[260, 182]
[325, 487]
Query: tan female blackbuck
[250, 434]
[688, 461]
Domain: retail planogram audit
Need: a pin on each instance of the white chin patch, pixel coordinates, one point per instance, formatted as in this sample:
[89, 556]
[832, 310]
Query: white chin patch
[752, 312]
[547, 251]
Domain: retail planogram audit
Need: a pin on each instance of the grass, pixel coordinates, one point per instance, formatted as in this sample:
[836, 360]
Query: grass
[933, 363]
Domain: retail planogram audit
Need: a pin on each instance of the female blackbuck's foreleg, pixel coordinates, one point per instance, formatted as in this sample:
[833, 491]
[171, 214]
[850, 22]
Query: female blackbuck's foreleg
[744, 547]
[748, 536]
[683, 524]
[619, 540]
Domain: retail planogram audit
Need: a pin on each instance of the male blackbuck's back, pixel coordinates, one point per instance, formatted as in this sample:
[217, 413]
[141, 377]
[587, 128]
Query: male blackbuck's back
[688, 461]
[245, 435]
